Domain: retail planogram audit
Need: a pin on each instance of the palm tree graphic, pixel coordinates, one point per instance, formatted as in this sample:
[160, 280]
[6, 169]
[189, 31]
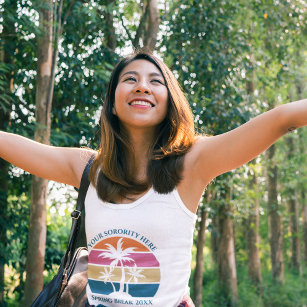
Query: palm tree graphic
[134, 275]
[118, 255]
[106, 275]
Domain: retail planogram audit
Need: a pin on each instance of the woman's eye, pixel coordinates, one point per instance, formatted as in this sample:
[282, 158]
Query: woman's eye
[157, 81]
[130, 79]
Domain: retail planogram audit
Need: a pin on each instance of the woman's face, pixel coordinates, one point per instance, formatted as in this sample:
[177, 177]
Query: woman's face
[141, 96]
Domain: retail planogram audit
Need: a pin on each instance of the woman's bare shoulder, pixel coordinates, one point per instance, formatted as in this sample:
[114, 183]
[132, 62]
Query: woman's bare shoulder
[80, 158]
[192, 186]
[199, 146]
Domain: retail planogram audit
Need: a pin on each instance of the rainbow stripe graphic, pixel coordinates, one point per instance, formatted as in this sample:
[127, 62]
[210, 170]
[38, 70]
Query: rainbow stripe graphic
[123, 265]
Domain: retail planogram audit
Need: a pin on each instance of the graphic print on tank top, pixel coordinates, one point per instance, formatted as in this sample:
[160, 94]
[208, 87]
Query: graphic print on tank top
[123, 267]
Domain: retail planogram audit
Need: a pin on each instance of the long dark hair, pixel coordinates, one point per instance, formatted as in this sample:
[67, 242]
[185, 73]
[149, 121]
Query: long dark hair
[112, 173]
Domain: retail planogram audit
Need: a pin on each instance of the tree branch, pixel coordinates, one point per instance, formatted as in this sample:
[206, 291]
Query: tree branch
[140, 30]
[67, 14]
[152, 25]
[126, 29]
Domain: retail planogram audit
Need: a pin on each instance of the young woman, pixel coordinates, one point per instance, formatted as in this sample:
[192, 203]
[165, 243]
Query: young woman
[146, 181]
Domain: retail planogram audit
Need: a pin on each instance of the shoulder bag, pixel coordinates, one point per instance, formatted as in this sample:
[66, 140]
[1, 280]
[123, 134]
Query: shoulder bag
[68, 287]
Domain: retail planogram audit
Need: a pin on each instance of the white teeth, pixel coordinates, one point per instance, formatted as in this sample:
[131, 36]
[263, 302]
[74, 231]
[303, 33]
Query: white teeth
[140, 102]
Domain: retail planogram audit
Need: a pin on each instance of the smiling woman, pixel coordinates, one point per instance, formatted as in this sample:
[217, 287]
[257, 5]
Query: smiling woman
[152, 125]
[146, 181]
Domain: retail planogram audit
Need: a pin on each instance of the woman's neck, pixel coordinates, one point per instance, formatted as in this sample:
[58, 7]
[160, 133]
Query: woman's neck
[141, 142]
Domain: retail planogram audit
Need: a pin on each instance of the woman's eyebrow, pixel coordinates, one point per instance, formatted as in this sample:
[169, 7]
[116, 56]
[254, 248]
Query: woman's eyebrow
[132, 72]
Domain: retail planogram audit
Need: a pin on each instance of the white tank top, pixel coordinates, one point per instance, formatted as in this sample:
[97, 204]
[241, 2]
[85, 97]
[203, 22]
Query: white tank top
[139, 253]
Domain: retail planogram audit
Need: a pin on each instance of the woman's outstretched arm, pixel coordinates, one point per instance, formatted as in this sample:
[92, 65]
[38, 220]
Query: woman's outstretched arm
[219, 154]
[55, 163]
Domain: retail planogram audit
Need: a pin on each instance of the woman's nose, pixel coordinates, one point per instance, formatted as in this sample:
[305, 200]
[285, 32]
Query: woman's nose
[142, 87]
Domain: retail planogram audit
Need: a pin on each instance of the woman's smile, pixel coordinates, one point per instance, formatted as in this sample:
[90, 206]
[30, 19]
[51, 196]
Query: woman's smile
[141, 103]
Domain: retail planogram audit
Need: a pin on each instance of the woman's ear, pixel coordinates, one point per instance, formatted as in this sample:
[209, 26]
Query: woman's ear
[113, 111]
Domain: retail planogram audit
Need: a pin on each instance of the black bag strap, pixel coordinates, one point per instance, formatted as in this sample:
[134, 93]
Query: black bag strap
[78, 215]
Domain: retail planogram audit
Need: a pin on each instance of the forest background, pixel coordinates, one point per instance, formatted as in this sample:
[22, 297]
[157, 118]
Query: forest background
[234, 59]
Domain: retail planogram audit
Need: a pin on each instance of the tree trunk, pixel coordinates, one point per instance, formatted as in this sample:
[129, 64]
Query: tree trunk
[109, 29]
[214, 239]
[199, 269]
[252, 238]
[302, 149]
[7, 49]
[293, 210]
[304, 214]
[3, 224]
[252, 222]
[227, 274]
[213, 226]
[275, 227]
[294, 227]
[152, 25]
[44, 90]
